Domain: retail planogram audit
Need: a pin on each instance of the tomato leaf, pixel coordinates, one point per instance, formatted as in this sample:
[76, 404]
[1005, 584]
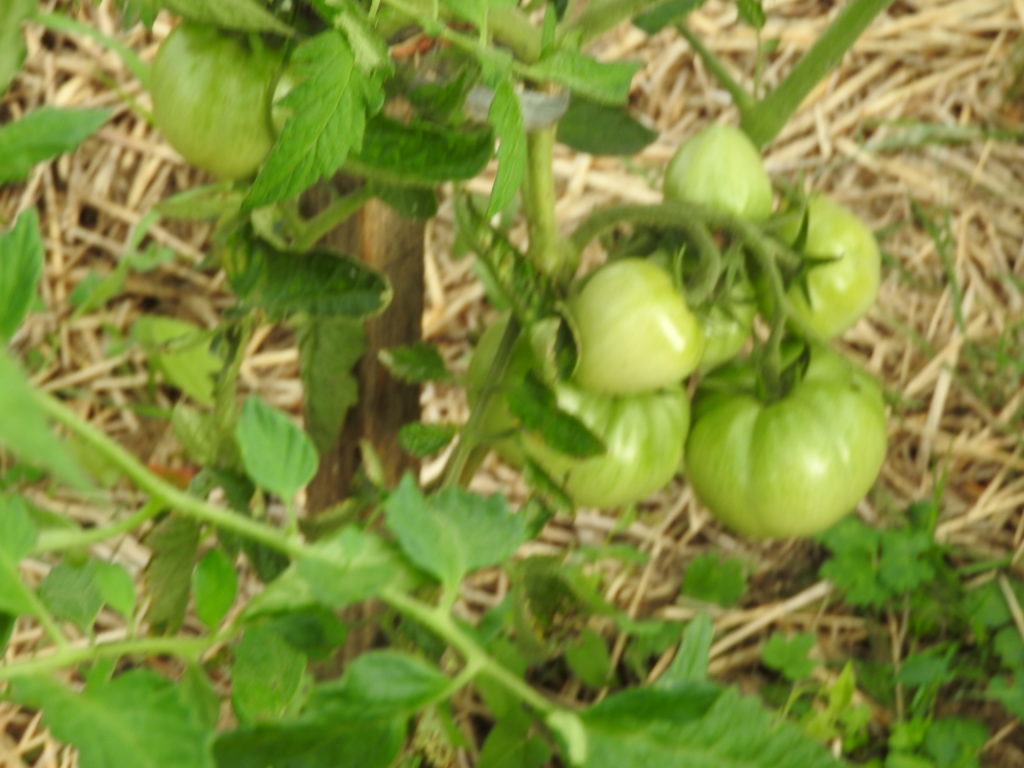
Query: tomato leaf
[318, 283]
[420, 153]
[419, 203]
[788, 655]
[173, 543]
[690, 664]
[328, 118]
[714, 579]
[42, 134]
[379, 684]
[116, 587]
[21, 267]
[416, 363]
[506, 116]
[214, 585]
[277, 454]
[138, 719]
[12, 41]
[329, 348]
[598, 129]
[266, 676]
[245, 15]
[419, 439]
[182, 354]
[751, 13]
[71, 592]
[17, 536]
[536, 406]
[509, 744]
[603, 82]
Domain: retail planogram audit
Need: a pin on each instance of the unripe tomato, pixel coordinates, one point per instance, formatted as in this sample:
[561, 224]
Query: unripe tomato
[841, 291]
[720, 168]
[634, 329]
[499, 423]
[792, 466]
[644, 436]
[211, 99]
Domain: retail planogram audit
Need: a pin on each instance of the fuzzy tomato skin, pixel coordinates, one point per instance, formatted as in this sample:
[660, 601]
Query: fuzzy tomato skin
[793, 466]
[634, 330]
[720, 168]
[212, 97]
[644, 437]
[839, 292]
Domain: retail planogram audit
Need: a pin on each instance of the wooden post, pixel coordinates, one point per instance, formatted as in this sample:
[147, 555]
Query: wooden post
[394, 246]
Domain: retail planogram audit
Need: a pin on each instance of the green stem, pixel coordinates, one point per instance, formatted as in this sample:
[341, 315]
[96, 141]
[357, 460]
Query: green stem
[466, 456]
[187, 647]
[330, 217]
[159, 489]
[131, 60]
[539, 204]
[475, 656]
[743, 100]
[765, 120]
[61, 540]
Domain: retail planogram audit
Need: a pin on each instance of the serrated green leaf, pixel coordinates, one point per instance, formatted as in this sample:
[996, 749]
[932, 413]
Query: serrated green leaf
[43, 134]
[420, 203]
[21, 267]
[181, 353]
[173, 543]
[536, 406]
[714, 579]
[329, 348]
[420, 153]
[421, 440]
[70, 592]
[416, 362]
[381, 684]
[276, 454]
[17, 536]
[452, 532]
[598, 129]
[788, 655]
[25, 433]
[244, 15]
[509, 745]
[318, 283]
[902, 566]
[691, 661]
[137, 719]
[603, 82]
[506, 116]
[116, 586]
[312, 743]
[214, 584]
[266, 676]
[12, 41]
[329, 108]
[588, 658]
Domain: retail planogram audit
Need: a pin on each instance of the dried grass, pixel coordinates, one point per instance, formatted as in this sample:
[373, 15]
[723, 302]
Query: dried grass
[956, 421]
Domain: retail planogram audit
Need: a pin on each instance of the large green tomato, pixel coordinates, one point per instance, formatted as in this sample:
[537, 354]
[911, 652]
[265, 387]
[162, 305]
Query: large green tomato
[212, 97]
[644, 436]
[841, 291]
[792, 466]
[499, 423]
[721, 169]
[634, 329]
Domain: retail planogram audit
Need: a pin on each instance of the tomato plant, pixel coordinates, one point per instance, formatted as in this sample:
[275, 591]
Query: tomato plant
[720, 168]
[840, 291]
[726, 329]
[644, 436]
[791, 466]
[212, 99]
[634, 329]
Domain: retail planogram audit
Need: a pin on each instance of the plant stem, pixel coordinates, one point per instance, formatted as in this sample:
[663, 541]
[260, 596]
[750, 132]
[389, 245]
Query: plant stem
[765, 119]
[62, 540]
[330, 217]
[461, 463]
[743, 100]
[187, 647]
[159, 489]
[43, 616]
[539, 204]
[475, 656]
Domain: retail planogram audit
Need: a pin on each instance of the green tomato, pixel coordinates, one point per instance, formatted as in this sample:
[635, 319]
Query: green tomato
[726, 330]
[720, 168]
[644, 436]
[838, 292]
[634, 330]
[792, 466]
[499, 423]
[211, 99]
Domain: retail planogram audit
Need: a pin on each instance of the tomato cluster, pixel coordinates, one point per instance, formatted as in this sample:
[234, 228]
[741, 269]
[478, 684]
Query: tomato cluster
[783, 448]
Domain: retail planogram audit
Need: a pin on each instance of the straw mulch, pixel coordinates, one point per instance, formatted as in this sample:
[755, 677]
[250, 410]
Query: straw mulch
[946, 337]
